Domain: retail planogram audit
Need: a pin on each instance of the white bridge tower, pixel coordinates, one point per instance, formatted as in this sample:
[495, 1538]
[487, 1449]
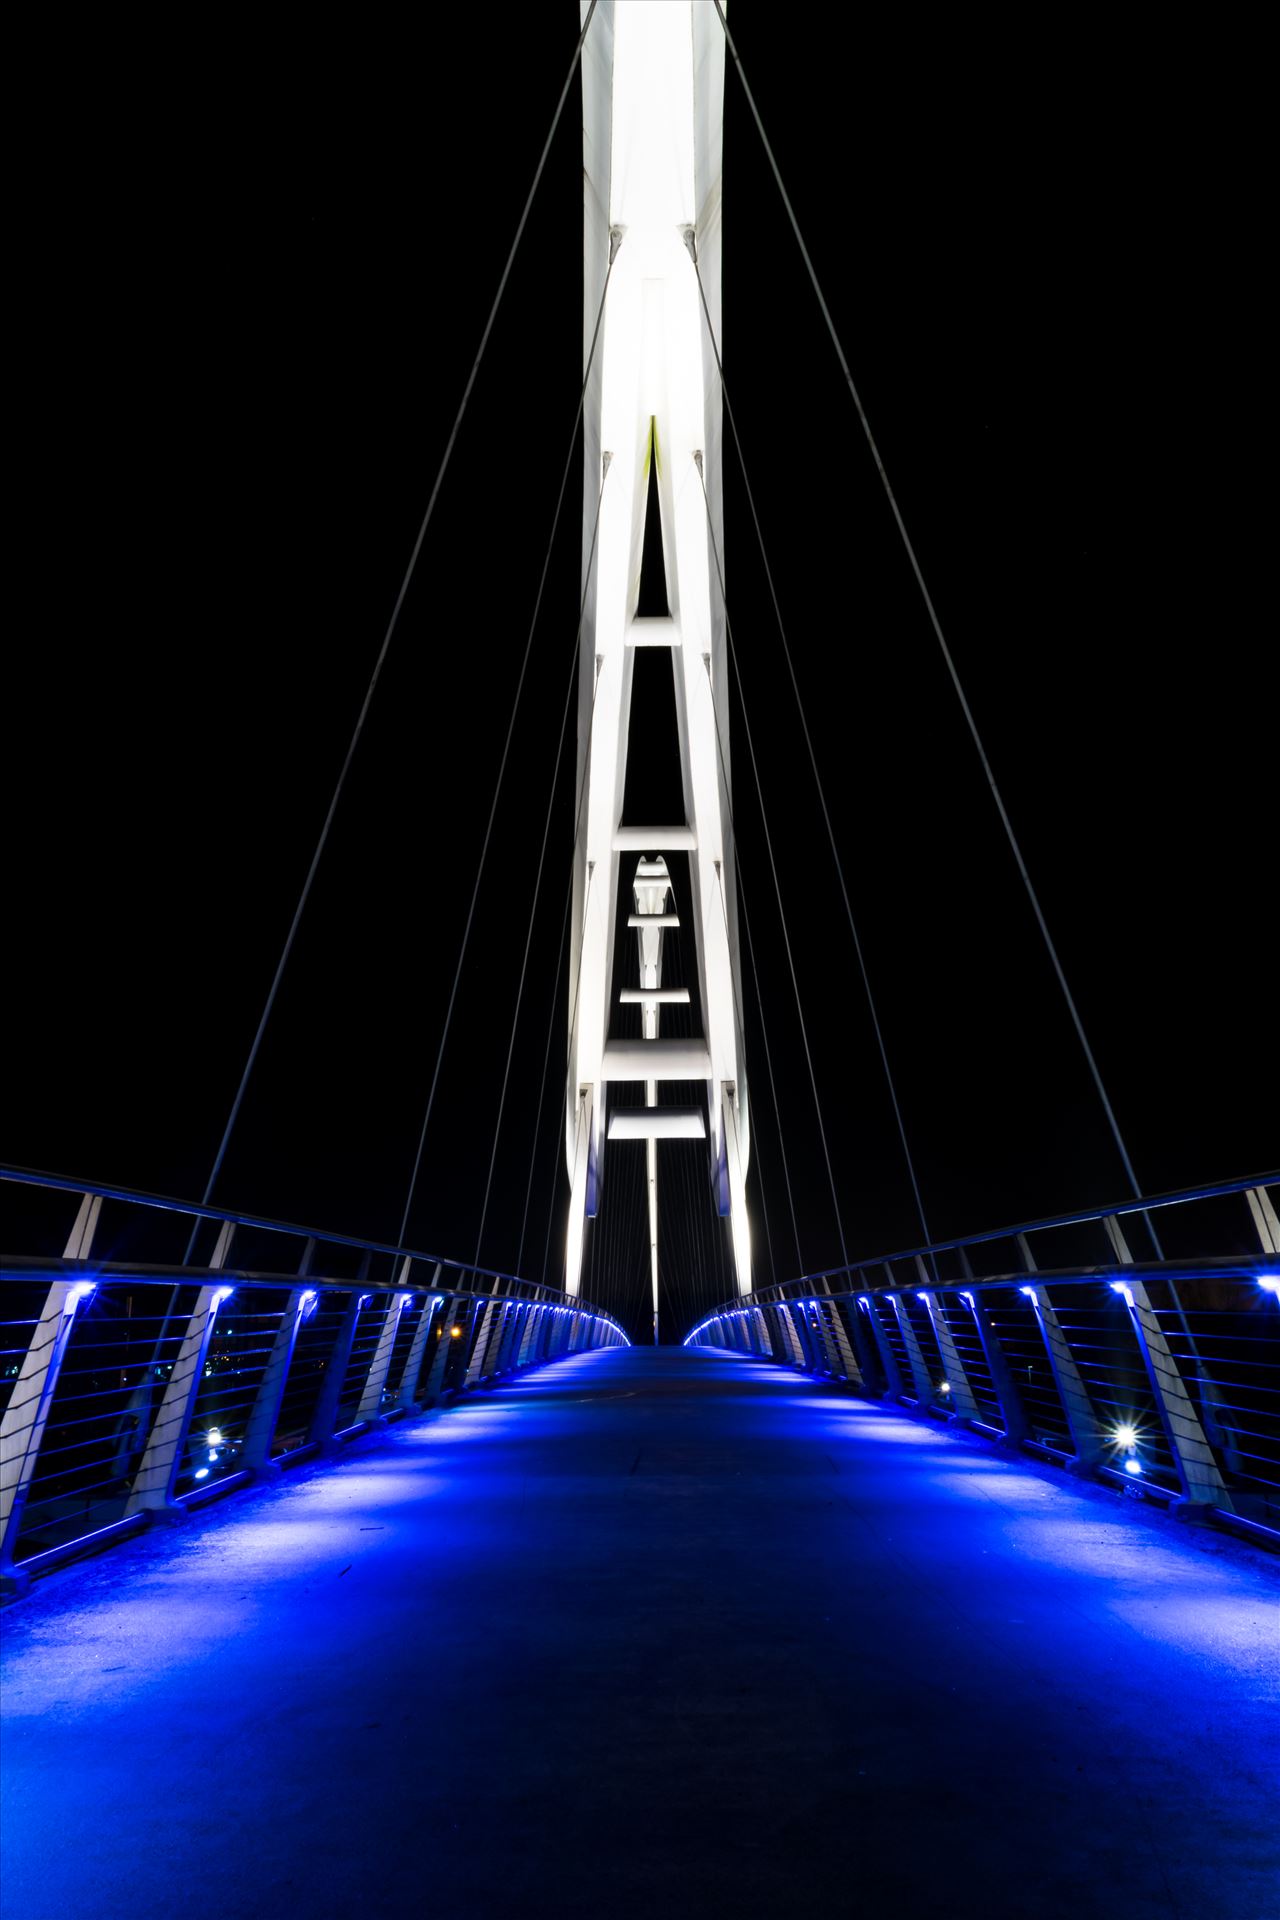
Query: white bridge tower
[653, 92]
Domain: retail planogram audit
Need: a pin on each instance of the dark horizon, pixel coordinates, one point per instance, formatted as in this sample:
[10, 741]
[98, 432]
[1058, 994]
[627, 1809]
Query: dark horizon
[258, 297]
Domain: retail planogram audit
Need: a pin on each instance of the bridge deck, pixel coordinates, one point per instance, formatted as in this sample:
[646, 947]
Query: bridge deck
[646, 1633]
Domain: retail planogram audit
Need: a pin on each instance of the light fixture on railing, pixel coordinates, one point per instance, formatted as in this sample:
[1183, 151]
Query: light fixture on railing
[1028, 1293]
[81, 1291]
[220, 1297]
[1125, 1292]
[1270, 1283]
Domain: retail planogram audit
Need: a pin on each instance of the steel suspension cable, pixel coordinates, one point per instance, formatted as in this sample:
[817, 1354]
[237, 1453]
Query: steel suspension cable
[817, 778]
[502, 768]
[555, 777]
[945, 650]
[387, 638]
[768, 1061]
[542, 1095]
[773, 865]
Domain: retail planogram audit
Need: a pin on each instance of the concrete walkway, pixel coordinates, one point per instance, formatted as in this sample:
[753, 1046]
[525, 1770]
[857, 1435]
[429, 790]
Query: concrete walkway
[652, 1634]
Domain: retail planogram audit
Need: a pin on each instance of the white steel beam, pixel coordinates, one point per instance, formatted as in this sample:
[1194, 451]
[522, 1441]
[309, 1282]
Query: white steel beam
[653, 87]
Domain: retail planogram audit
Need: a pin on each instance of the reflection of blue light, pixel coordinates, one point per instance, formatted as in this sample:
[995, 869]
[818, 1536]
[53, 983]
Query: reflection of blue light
[864, 1302]
[1133, 1464]
[202, 1473]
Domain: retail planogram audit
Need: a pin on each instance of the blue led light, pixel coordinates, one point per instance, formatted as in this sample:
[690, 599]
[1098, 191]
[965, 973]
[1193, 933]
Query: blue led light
[1133, 1464]
[1029, 1292]
[202, 1473]
[1270, 1283]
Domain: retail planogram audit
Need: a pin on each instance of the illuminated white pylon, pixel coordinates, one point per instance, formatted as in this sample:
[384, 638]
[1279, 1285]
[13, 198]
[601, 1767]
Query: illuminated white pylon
[653, 91]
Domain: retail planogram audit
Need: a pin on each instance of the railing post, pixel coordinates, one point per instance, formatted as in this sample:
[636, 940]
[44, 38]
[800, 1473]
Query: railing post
[1082, 1421]
[1015, 1420]
[963, 1404]
[479, 1352]
[407, 1397]
[22, 1427]
[850, 1362]
[1198, 1476]
[915, 1359]
[789, 1334]
[370, 1407]
[528, 1339]
[763, 1333]
[1264, 1218]
[260, 1432]
[893, 1382]
[440, 1358]
[153, 1483]
[325, 1418]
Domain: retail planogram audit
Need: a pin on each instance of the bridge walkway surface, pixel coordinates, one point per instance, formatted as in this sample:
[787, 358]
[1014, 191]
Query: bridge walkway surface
[646, 1633]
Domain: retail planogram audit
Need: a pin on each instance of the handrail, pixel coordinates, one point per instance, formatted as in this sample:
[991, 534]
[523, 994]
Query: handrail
[1149, 1203]
[167, 1203]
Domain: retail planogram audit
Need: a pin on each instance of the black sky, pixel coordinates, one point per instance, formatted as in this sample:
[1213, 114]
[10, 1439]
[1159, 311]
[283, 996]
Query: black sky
[257, 275]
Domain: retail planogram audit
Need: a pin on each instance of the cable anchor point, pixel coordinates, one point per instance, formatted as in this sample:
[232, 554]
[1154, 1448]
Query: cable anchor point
[690, 237]
[615, 241]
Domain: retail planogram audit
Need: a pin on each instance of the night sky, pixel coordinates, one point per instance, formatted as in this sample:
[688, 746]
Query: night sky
[258, 276]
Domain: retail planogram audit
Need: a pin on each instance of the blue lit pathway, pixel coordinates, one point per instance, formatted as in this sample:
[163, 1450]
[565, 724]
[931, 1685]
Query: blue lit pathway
[651, 1634]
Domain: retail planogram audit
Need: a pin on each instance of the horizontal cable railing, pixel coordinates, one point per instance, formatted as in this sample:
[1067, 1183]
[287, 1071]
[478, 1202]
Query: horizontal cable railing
[131, 1388]
[1163, 1374]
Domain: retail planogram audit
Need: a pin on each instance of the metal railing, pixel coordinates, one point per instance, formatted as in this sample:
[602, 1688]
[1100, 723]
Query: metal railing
[133, 1386]
[1161, 1374]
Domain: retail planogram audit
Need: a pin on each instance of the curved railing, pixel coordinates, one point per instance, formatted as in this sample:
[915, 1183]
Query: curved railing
[134, 1384]
[1160, 1374]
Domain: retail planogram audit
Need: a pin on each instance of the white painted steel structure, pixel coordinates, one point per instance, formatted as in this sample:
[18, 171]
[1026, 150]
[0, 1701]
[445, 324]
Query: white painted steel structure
[653, 89]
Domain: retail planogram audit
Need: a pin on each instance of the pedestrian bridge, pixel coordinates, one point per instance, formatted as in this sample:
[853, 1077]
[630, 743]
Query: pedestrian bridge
[500, 1614]
[652, 1628]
